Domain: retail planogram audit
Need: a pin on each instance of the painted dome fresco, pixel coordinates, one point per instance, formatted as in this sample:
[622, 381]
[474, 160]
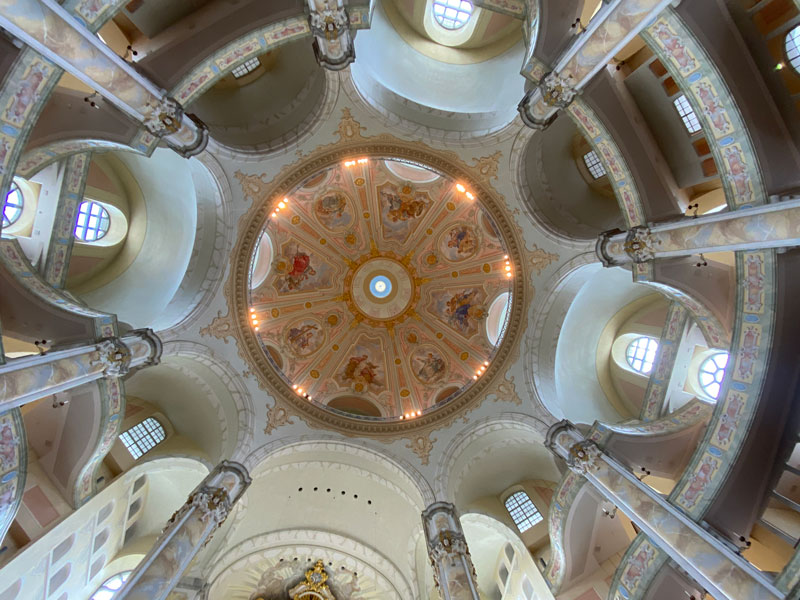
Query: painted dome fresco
[379, 288]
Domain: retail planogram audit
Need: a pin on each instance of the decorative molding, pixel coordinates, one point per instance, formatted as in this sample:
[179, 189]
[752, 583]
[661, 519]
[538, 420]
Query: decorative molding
[636, 571]
[421, 445]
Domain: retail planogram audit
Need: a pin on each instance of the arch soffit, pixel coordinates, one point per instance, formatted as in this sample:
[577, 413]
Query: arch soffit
[422, 493]
[334, 546]
[563, 280]
[446, 481]
[230, 379]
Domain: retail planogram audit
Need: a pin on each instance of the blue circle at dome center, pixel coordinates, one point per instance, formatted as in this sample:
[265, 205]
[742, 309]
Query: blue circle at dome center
[380, 286]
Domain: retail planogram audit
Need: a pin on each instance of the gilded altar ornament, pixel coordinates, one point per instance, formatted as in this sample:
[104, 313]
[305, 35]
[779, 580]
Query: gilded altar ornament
[315, 587]
[164, 118]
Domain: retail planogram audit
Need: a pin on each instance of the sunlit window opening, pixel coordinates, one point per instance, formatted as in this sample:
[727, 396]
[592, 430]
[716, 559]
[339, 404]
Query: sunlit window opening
[247, 67]
[712, 371]
[793, 48]
[496, 320]
[641, 354]
[687, 114]
[522, 511]
[111, 586]
[592, 162]
[143, 437]
[452, 14]
[12, 207]
[92, 223]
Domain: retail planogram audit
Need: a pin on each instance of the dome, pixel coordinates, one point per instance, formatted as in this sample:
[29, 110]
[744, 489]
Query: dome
[381, 280]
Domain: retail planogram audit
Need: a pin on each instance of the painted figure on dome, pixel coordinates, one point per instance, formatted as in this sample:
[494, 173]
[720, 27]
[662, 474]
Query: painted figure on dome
[299, 270]
[8, 445]
[304, 338]
[461, 242]
[463, 311]
[332, 210]
[428, 367]
[404, 205]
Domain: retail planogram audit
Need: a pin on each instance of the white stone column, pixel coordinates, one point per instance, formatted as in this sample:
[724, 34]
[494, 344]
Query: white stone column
[717, 568]
[453, 570]
[27, 379]
[769, 226]
[186, 533]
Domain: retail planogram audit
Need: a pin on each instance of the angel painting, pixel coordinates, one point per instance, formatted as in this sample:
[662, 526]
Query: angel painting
[463, 310]
[299, 270]
[403, 206]
[361, 373]
[304, 338]
[332, 210]
[461, 242]
[429, 367]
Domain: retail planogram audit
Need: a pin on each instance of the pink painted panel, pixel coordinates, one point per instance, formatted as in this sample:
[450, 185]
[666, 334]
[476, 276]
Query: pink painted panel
[40, 506]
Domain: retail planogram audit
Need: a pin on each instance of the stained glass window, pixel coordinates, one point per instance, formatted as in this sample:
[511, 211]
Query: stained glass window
[143, 437]
[641, 354]
[452, 14]
[522, 511]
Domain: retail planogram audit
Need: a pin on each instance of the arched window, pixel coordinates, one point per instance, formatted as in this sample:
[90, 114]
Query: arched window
[688, 116]
[592, 162]
[496, 318]
[92, 223]
[641, 354]
[110, 586]
[712, 370]
[452, 14]
[792, 45]
[522, 511]
[246, 67]
[143, 437]
[12, 207]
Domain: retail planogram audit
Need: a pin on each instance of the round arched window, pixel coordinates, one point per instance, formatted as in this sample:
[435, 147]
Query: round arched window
[12, 207]
[792, 45]
[496, 319]
[452, 14]
[712, 371]
[641, 354]
[111, 586]
[93, 221]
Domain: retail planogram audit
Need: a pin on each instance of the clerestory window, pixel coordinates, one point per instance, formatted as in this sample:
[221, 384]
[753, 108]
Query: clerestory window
[111, 586]
[522, 511]
[92, 222]
[641, 354]
[452, 14]
[143, 437]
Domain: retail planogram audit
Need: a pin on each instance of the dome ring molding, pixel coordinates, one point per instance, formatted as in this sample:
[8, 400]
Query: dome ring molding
[253, 222]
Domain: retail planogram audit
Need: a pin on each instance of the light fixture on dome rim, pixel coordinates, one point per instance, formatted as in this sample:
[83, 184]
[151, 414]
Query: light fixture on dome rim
[353, 162]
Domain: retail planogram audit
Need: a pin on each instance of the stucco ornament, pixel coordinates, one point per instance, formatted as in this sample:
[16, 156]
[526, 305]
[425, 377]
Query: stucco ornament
[584, 457]
[114, 355]
[164, 118]
[557, 90]
[213, 503]
[315, 586]
[639, 244]
[333, 42]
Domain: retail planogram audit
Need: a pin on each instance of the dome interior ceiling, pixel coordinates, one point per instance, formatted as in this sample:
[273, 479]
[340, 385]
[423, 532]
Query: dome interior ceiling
[381, 279]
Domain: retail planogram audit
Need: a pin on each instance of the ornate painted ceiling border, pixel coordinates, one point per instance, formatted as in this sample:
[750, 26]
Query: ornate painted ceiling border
[636, 571]
[628, 198]
[235, 323]
[656, 393]
[742, 385]
[571, 484]
[13, 467]
[699, 79]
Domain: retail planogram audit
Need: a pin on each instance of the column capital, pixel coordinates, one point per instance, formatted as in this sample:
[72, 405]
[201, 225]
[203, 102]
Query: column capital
[557, 90]
[212, 502]
[601, 248]
[640, 244]
[114, 355]
[530, 116]
[163, 117]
